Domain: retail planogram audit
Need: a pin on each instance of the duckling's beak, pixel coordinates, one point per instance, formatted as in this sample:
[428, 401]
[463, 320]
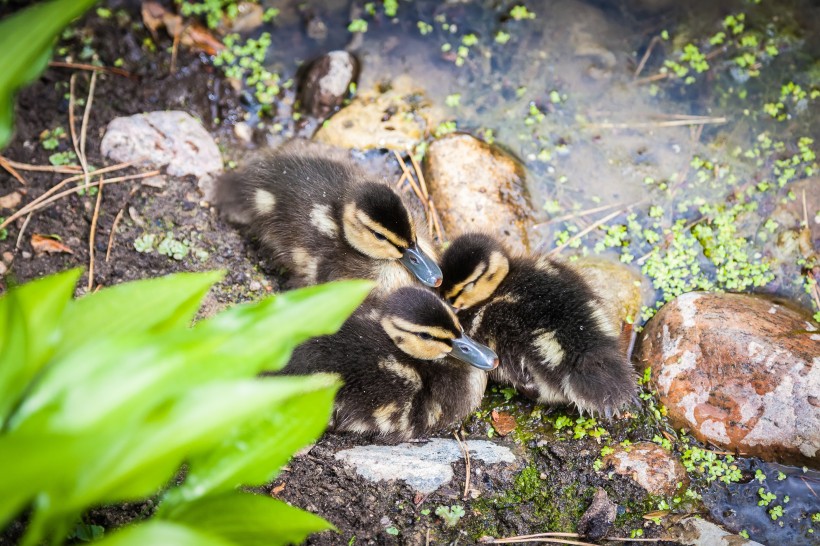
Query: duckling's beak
[472, 352]
[422, 266]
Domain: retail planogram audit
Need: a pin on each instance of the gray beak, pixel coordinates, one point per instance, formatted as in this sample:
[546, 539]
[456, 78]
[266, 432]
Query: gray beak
[422, 266]
[472, 352]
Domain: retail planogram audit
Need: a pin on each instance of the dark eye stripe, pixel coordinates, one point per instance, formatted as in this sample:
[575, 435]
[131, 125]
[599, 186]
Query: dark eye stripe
[422, 335]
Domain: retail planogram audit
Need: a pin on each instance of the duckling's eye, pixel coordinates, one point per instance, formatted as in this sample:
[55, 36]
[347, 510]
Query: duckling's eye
[425, 336]
[378, 235]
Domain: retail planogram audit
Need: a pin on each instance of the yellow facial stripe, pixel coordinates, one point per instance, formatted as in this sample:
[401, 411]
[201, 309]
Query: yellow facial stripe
[458, 287]
[484, 287]
[407, 326]
[378, 228]
[362, 239]
[407, 341]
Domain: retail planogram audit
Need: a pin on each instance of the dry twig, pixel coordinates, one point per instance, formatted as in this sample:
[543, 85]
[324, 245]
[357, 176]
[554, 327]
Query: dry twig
[56, 187]
[94, 68]
[84, 127]
[117, 219]
[22, 230]
[93, 234]
[63, 169]
[658, 124]
[652, 43]
[579, 214]
[591, 227]
[551, 538]
[46, 202]
[467, 469]
[6, 164]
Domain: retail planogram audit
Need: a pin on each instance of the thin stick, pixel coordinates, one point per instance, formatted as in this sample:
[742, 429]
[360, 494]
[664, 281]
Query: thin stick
[56, 187]
[410, 179]
[653, 78]
[117, 219]
[574, 215]
[402, 178]
[75, 189]
[72, 125]
[84, 127]
[437, 223]
[175, 48]
[91, 67]
[805, 211]
[592, 226]
[467, 469]
[658, 124]
[513, 540]
[420, 176]
[427, 539]
[627, 539]
[539, 535]
[63, 169]
[93, 234]
[803, 479]
[10, 169]
[655, 41]
[22, 230]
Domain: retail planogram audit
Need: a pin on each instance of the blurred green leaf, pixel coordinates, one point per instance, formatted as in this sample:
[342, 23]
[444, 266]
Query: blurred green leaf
[162, 533]
[151, 305]
[251, 520]
[29, 316]
[254, 455]
[26, 38]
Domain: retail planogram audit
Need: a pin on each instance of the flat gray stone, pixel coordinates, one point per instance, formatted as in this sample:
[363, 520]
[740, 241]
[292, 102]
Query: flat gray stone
[157, 139]
[424, 467]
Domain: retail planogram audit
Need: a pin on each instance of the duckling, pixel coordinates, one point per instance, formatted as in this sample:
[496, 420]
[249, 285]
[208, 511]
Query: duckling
[407, 367]
[555, 343]
[324, 218]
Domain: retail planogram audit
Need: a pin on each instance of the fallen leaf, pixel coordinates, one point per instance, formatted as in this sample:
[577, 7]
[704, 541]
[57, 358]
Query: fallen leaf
[193, 35]
[11, 200]
[277, 489]
[656, 514]
[503, 422]
[42, 244]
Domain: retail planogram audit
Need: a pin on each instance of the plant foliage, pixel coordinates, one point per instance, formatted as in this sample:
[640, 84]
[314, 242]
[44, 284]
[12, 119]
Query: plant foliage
[103, 398]
[26, 39]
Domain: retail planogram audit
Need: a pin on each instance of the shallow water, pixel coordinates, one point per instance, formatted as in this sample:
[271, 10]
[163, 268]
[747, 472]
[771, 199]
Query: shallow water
[564, 95]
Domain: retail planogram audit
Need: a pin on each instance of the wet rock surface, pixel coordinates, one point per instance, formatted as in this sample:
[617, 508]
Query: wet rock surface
[699, 532]
[476, 187]
[425, 467]
[599, 517]
[651, 466]
[396, 119]
[326, 82]
[739, 372]
[158, 139]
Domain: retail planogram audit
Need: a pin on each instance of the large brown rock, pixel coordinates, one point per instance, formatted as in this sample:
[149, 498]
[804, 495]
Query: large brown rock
[476, 187]
[650, 465]
[740, 372]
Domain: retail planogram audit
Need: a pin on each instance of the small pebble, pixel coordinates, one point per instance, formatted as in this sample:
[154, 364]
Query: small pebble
[255, 285]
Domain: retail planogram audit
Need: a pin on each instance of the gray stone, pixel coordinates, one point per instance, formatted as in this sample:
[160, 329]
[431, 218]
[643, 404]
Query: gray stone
[599, 517]
[699, 532]
[157, 139]
[424, 467]
[326, 83]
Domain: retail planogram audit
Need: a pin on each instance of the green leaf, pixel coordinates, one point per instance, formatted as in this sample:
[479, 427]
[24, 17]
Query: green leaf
[29, 315]
[275, 326]
[162, 533]
[250, 520]
[254, 455]
[26, 38]
[151, 305]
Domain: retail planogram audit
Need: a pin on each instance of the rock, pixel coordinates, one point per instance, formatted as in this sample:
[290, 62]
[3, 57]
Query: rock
[599, 517]
[618, 285]
[396, 119]
[699, 532]
[243, 131]
[424, 467]
[10, 200]
[326, 83]
[157, 139]
[249, 16]
[651, 466]
[740, 372]
[477, 187]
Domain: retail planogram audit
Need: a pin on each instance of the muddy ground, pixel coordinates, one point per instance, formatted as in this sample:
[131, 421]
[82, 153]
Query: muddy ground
[549, 487]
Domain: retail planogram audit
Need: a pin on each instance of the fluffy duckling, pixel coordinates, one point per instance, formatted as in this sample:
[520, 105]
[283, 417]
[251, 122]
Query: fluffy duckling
[555, 343]
[407, 367]
[324, 219]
